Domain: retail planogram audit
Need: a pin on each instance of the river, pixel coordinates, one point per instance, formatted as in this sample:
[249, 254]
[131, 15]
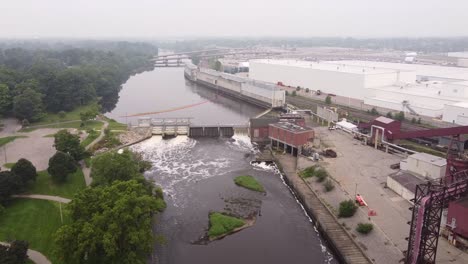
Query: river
[197, 177]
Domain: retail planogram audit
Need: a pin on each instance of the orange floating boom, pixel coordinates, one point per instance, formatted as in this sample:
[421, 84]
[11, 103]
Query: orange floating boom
[167, 110]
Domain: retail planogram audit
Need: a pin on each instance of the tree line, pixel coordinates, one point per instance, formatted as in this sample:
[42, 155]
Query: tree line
[36, 81]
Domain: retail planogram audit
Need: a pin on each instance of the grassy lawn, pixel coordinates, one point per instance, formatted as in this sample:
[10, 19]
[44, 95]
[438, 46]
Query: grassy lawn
[221, 224]
[92, 124]
[93, 134]
[308, 172]
[49, 136]
[6, 140]
[44, 185]
[114, 125]
[34, 221]
[9, 165]
[72, 115]
[249, 182]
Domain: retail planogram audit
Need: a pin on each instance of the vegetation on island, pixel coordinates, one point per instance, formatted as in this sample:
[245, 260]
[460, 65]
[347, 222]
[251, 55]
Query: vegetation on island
[221, 224]
[249, 182]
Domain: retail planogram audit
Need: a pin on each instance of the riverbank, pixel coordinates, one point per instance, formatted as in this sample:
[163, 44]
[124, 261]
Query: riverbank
[346, 249]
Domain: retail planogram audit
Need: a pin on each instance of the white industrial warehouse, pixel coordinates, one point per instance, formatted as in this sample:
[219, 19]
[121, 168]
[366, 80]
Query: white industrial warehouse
[428, 90]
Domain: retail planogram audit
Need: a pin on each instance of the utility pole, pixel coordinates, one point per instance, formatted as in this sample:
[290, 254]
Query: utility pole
[61, 215]
[4, 151]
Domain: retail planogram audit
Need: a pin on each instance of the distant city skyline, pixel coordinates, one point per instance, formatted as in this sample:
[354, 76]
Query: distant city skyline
[156, 19]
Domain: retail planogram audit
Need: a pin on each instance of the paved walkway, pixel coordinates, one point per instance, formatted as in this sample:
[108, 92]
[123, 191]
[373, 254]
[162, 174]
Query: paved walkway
[43, 197]
[34, 255]
[340, 239]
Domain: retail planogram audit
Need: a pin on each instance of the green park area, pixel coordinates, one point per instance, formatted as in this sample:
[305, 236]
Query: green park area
[221, 225]
[45, 185]
[35, 221]
[249, 182]
[6, 140]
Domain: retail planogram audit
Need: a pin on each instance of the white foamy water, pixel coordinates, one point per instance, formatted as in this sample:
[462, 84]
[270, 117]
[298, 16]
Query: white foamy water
[178, 162]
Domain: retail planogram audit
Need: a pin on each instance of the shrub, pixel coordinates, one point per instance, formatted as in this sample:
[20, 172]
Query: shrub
[298, 88]
[389, 115]
[308, 172]
[61, 114]
[286, 93]
[307, 90]
[329, 186]
[413, 120]
[293, 93]
[400, 116]
[364, 228]
[347, 208]
[419, 120]
[328, 99]
[374, 111]
[321, 175]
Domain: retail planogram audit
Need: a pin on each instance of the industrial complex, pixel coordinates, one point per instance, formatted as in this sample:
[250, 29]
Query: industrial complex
[426, 90]
[435, 186]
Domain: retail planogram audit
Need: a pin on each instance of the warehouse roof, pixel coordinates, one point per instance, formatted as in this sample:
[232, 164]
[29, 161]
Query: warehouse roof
[458, 73]
[437, 161]
[291, 127]
[327, 66]
[407, 179]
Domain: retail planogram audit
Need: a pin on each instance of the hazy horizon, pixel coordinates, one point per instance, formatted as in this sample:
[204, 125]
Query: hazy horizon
[158, 19]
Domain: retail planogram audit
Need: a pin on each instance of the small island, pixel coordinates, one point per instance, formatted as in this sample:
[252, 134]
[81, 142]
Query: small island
[249, 182]
[222, 225]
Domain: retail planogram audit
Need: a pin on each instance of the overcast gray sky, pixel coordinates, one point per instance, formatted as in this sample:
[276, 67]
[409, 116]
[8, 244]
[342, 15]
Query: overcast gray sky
[170, 18]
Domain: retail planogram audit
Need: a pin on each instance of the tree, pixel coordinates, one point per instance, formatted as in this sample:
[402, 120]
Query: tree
[298, 88]
[16, 253]
[286, 93]
[307, 90]
[88, 115]
[60, 166]
[328, 100]
[389, 115]
[25, 170]
[110, 224]
[113, 166]
[5, 99]
[66, 142]
[218, 66]
[9, 185]
[293, 93]
[347, 208]
[28, 105]
[374, 111]
[413, 120]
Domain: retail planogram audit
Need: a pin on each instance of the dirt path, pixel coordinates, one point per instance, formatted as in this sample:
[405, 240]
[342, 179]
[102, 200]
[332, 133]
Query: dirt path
[34, 255]
[101, 136]
[43, 197]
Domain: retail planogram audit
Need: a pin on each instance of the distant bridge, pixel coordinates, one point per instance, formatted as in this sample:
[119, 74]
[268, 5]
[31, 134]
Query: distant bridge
[183, 126]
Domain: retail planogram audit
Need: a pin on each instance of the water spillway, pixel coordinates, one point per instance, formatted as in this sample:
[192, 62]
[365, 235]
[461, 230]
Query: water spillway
[197, 175]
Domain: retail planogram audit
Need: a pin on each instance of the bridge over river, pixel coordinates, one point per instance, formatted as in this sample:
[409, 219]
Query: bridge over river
[183, 126]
